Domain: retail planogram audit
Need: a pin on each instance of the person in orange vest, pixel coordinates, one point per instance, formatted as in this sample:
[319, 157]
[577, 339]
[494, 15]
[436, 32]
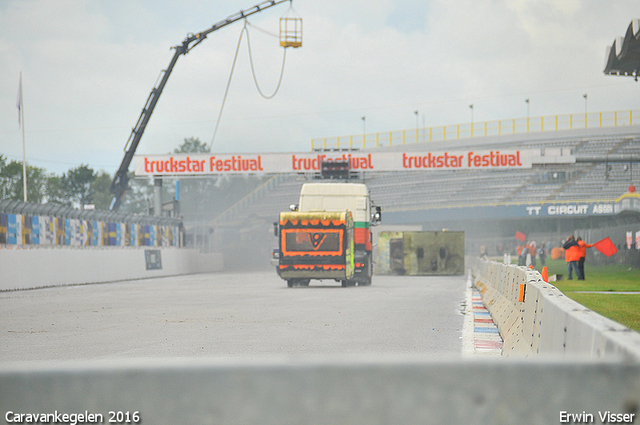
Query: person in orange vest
[572, 256]
[583, 254]
[522, 251]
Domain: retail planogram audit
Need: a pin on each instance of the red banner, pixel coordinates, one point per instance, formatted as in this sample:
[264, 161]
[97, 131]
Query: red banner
[203, 164]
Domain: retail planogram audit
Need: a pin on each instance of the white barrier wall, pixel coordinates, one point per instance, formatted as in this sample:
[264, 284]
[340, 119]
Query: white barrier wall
[42, 267]
[346, 391]
[534, 317]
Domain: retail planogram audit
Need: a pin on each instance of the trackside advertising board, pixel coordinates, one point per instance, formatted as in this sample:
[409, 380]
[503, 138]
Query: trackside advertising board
[206, 164]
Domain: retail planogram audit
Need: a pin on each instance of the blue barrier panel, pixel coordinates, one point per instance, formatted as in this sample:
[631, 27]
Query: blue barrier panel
[118, 227]
[35, 230]
[67, 232]
[12, 229]
[134, 235]
[96, 233]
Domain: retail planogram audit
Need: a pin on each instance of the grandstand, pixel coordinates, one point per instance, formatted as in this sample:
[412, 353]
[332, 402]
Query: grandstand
[486, 204]
[542, 183]
[428, 190]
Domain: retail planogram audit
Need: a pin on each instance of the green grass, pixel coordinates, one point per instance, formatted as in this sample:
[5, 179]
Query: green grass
[623, 308]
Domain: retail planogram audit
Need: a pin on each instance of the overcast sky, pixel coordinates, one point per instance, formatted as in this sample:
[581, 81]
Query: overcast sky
[88, 67]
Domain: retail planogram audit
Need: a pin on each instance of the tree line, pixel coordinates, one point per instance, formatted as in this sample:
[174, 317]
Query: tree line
[83, 185]
[78, 187]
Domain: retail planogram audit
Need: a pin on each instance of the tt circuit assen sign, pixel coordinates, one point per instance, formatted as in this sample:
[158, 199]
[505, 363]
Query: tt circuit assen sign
[572, 209]
[627, 202]
[206, 164]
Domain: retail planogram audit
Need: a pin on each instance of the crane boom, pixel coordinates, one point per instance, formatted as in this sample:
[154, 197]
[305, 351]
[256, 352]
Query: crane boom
[120, 182]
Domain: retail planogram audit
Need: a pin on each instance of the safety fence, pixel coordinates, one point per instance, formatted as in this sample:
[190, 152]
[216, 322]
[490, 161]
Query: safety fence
[480, 129]
[535, 318]
[26, 224]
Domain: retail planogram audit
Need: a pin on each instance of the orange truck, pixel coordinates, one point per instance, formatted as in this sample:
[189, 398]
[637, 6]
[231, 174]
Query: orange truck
[327, 235]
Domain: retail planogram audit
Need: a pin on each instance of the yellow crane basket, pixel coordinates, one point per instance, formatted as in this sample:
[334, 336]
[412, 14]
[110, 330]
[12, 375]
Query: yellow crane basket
[290, 30]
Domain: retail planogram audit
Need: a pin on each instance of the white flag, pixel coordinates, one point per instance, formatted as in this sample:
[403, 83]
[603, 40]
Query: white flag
[19, 102]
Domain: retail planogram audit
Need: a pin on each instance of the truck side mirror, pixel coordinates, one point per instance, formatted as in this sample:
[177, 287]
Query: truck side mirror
[275, 228]
[377, 216]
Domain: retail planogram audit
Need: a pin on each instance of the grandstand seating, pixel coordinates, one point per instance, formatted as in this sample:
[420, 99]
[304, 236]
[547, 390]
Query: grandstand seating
[416, 190]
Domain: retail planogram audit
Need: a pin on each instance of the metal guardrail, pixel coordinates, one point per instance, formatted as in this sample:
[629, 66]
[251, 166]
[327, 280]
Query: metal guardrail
[480, 129]
[29, 224]
[8, 206]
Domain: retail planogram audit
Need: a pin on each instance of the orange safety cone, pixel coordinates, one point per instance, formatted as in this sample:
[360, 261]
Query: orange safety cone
[545, 274]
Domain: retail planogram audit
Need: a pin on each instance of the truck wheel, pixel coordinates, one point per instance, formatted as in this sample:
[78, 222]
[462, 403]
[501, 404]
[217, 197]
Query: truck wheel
[304, 282]
[369, 276]
[345, 283]
[290, 283]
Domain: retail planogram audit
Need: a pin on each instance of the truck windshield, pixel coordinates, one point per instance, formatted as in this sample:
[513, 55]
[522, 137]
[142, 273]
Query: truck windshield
[313, 240]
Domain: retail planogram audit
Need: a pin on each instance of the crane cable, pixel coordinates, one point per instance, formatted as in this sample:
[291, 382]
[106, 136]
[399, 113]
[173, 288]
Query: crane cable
[235, 58]
[255, 80]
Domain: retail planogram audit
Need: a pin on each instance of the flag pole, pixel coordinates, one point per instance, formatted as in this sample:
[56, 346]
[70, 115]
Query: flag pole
[24, 150]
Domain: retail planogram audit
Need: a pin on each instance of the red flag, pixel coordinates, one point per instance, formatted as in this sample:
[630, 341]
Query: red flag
[521, 236]
[606, 247]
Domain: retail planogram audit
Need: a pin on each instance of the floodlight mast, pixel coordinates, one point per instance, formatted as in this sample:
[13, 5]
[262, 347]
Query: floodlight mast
[120, 182]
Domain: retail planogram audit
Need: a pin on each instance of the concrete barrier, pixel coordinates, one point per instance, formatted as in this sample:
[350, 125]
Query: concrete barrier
[371, 391]
[43, 267]
[534, 317]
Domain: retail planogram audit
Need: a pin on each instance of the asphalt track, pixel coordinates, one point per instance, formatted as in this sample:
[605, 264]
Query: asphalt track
[233, 315]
